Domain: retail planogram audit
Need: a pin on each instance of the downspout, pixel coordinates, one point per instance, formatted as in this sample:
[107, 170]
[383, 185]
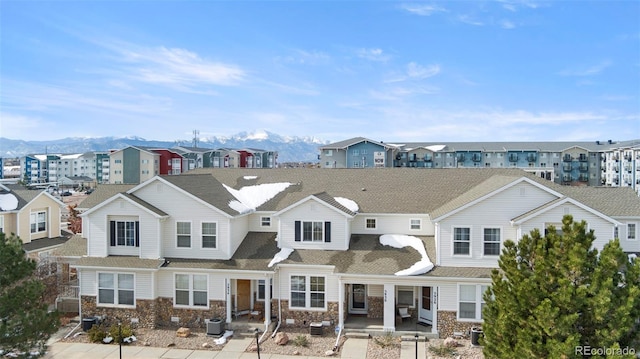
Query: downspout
[275, 331]
[340, 320]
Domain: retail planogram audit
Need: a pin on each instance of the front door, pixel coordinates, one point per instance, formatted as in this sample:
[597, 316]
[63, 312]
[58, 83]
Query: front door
[425, 314]
[243, 294]
[358, 301]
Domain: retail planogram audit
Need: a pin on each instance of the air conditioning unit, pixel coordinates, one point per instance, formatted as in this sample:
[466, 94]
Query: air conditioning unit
[215, 327]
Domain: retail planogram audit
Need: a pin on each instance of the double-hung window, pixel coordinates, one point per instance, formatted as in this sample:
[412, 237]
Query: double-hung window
[183, 234]
[471, 301]
[191, 290]
[38, 221]
[631, 231]
[416, 224]
[491, 241]
[462, 241]
[265, 221]
[209, 235]
[116, 288]
[124, 233]
[307, 292]
[312, 231]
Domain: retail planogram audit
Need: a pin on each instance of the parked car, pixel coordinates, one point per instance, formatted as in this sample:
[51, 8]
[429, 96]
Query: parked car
[89, 191]
[65, 193]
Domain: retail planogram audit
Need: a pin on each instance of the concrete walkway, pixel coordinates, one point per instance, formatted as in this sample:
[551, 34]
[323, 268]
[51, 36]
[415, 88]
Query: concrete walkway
[353, 348]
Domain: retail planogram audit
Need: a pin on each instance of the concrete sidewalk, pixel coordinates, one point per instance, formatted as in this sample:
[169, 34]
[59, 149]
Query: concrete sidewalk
[234, 349]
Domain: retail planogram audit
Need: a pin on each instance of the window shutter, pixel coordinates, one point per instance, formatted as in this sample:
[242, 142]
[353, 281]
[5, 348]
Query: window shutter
[298, 231]
[112, 232]
[327, 231]
[137, 234]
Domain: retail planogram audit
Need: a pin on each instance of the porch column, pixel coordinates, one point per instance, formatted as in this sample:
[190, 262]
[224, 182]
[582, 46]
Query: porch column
[341, 303]
[227, 296]
[389, 323]
[267, 303]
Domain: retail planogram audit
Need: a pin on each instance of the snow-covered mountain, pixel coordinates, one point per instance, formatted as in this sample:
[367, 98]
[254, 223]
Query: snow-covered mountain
[290, 149]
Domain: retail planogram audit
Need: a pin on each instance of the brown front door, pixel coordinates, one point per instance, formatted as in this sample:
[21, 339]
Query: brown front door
[243, 294]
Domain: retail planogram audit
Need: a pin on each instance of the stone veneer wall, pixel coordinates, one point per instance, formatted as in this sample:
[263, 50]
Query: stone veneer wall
[448, 323]
[156, 313]
[145, 312]
[375, 307]
[303, 318]
[189, 317]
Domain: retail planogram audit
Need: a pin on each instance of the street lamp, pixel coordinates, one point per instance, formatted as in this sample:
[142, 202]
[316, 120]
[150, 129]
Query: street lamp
[416, 345]
[120, 337]
[257, 341]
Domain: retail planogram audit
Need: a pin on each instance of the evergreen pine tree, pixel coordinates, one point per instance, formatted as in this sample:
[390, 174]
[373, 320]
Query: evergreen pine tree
[555, 294]
[25, 323]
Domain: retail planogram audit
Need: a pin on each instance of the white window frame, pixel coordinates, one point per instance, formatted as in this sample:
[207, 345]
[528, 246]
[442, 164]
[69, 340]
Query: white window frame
[484, 241]
[415, 226]
[374, 221]
[206, 235]
[35, 221]
[116, 289]
[191, 290]
[303, 238]
[178, 234]
[406, 289]
[307, 290]
[478, 302]
[355, 152]
[126, 240]
[632, 235]
[265, 221]
[453, 241]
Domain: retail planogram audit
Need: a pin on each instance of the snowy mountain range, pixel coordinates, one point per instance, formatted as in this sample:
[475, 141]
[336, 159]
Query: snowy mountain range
[290, 149]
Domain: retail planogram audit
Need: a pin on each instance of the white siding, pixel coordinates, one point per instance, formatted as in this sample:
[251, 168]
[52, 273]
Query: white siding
[331, 281]
[166, 283]
[393, 223]
[98, 223]
[88, 284]
[496, 211]
[629, 245]
[255, 224]
[603, 230]
[181, 207]
[448, 296]
[144, 285]
[239, 228]
[375, 290]
[314, 211]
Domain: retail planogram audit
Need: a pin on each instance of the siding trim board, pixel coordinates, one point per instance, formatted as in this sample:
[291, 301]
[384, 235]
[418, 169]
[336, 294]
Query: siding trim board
[559, 202]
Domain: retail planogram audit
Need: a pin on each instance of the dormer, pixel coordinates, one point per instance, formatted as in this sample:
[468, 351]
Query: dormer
[319, 221]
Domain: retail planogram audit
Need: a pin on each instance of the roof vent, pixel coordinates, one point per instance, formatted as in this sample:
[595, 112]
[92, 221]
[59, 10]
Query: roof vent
[363, 189]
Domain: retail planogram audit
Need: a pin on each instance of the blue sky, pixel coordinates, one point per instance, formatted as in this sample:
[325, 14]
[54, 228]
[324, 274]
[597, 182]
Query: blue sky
[386, 70]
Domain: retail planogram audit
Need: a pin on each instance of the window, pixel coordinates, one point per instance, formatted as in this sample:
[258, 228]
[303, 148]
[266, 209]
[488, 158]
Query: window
[328, 152]
[312, 231]
[355, 152]
[364, 152]
[356, 164]
[124, 233]
[313, 293]
[416, 224]
[265, 221]
[144, 162]
[631, 231]
[370, 223]
[471, 301]
[492, 241]
[261, 289]
[209, 235]
[191, 290]
[615, 232]
[462, 241]
[405, 296]
[183, 234]
[117, 161]
[116, 289]
[38, 221]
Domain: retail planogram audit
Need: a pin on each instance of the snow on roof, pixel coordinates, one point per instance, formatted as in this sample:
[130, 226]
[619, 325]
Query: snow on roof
[250, 177]
[8, 202]
[251, 197]
[399, 241]
[435, 148]
[280, 256]
[348, 203]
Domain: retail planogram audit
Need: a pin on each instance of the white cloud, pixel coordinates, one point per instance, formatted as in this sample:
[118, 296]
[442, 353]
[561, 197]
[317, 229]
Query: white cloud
[417, 71]
[306, 57]
[467, 19]
[374, 54]
[506, 24]
[586, 70]
[423, 9]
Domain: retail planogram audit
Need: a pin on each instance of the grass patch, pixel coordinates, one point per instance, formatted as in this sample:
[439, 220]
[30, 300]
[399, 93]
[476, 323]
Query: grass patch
[385, 341]
[301, 341]
[442, 350]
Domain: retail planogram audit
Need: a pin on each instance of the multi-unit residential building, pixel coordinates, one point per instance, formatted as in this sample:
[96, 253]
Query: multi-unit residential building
[197, 157]
[569, 163]
[298, 246]
[52, 168]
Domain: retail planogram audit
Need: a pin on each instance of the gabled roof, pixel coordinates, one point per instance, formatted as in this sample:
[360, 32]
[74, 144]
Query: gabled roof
[351, 142]
[139, 148]
[323, 198]
[555, 203]
[25, 195]
[131, 199]
[102, 193]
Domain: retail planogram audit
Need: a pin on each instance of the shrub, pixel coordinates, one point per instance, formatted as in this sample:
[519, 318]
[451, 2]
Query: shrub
[301, 341]
[118, 334]
[97, 333]
[387, 340]
[442, 350]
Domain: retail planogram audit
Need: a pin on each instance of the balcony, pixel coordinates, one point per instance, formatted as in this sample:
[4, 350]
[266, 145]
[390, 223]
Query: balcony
[583, 178]
[566, 178]
[567, 167]
[583, 167]
[567, 158]
[428, 158]
[476, 157]
[461, 157]
[513, 157]
[531, 157]
[582, 157]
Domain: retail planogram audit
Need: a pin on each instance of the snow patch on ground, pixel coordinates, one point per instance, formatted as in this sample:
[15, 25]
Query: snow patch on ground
[348, 203]
[280, 256]
[249, 198]
[400, 241]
